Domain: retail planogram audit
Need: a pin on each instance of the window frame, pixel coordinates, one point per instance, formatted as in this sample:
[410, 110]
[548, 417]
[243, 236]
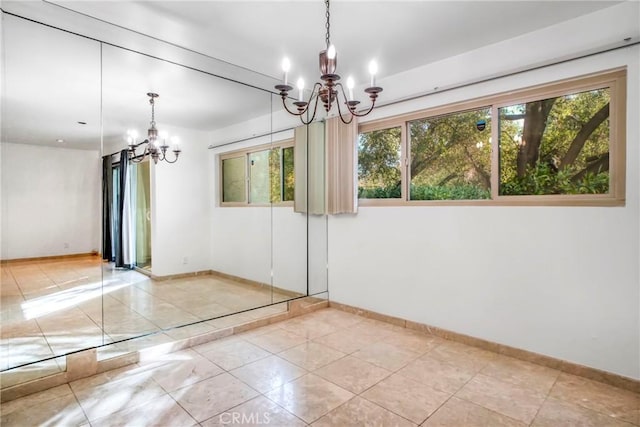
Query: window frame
[245, 152]
[613, 79]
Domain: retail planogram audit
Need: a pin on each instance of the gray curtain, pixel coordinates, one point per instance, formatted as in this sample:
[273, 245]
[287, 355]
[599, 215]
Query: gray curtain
[107, 208]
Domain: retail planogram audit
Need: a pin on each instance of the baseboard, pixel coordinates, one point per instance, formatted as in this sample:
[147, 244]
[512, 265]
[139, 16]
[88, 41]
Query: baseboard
[528, 356]
[256, 284]
[48, 258]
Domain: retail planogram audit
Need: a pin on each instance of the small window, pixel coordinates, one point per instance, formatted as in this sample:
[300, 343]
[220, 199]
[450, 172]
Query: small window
[556, 145]
[233, 179]
[379, 164]
[258, 176]
[451, 156]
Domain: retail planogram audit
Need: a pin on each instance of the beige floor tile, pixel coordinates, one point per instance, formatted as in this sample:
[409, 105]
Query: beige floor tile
[62, 411]
[464, 356]
[460, 413]
[235, 354]
[259, 411]
[386, 355]
[102, 395]
[266, 374]
[508, 399]
[353, 374]
[311, 355]
[437, 374]
[309, 397]
[522, 373]
[160, 412]
[210, 397]
[415, 341]
[347, 340]
[175, 370]
[621, 404]
[277, 340]
[556, 413]
[308, 328]
[334, 317]
[361, 412]
[407, 398]
[370, 328]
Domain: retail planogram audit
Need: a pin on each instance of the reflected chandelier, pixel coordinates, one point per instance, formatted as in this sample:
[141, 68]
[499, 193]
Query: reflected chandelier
[156, 142]
[329, 90]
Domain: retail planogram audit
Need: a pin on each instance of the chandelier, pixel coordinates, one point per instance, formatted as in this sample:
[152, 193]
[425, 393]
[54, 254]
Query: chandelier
[156, 144]
[329, 90]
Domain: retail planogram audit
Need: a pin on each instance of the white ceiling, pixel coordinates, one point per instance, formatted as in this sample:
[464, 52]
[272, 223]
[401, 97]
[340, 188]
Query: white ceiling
[52, 78]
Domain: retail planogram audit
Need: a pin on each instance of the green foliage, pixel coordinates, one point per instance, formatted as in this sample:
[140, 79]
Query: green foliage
[450, 155]
[551, 173]
[449, 192]
[287, 174]
[392, 192]
[543, 179]
[379, 162]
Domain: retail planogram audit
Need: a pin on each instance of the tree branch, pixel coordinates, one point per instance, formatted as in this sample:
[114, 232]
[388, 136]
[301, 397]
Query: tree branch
[584, 134]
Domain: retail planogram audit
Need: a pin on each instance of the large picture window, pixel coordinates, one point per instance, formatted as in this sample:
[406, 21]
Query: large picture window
[561, 144]
[258, 176]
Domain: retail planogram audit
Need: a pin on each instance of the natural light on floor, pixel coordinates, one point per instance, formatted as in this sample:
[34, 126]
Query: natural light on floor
[48, 304]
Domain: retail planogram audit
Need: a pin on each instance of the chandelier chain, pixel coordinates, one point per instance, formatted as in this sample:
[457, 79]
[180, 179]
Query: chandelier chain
[328, 25]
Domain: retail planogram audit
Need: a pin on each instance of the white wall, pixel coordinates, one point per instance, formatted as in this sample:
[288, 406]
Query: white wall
[560, 281]
[180, 202]
[50, 201]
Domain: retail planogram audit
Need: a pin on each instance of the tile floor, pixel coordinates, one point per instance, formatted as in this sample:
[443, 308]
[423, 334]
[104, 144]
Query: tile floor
[329, 368]
[50, 308]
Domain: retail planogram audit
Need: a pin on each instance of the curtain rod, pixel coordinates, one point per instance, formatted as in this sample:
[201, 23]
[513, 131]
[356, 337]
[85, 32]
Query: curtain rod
[211, 146]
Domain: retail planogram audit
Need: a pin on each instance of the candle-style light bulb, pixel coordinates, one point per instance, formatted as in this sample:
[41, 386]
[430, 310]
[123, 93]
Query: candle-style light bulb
[286, 66]
[300, 85]
[350, 85]
[163, 137]
[373, 69]
[331, 52]
[175, 141]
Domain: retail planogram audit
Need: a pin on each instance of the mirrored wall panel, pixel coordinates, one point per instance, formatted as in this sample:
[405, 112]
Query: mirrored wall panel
[144, 201]
[50, 196]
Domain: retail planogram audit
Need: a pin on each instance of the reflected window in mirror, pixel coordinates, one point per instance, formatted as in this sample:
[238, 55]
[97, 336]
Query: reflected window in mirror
[258, 176]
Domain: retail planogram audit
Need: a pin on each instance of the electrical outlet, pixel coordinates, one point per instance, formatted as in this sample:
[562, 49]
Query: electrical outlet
[66, 245]
[185, 260]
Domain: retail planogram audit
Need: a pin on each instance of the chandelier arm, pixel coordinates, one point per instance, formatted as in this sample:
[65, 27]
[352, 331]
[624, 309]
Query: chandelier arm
[344, 96]
[346, 122]
[284, 103]
[140, 156]
[169, 161]
[373, 104]
[315, 107]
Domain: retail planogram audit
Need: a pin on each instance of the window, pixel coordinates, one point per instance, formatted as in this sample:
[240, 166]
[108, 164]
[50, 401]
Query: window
[451, 156]
[556, 145]
[233, 172]
[379, 171]
[258, 176]
[560, 144]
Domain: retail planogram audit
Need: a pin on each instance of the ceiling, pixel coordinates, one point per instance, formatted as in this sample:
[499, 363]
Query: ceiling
[53, 79]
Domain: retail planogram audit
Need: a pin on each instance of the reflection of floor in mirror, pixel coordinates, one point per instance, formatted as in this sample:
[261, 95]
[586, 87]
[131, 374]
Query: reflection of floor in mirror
[49, 308]
[329, 368]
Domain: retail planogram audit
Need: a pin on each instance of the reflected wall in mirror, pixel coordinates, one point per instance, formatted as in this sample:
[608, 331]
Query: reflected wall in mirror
[50, 147]
[154, 246]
